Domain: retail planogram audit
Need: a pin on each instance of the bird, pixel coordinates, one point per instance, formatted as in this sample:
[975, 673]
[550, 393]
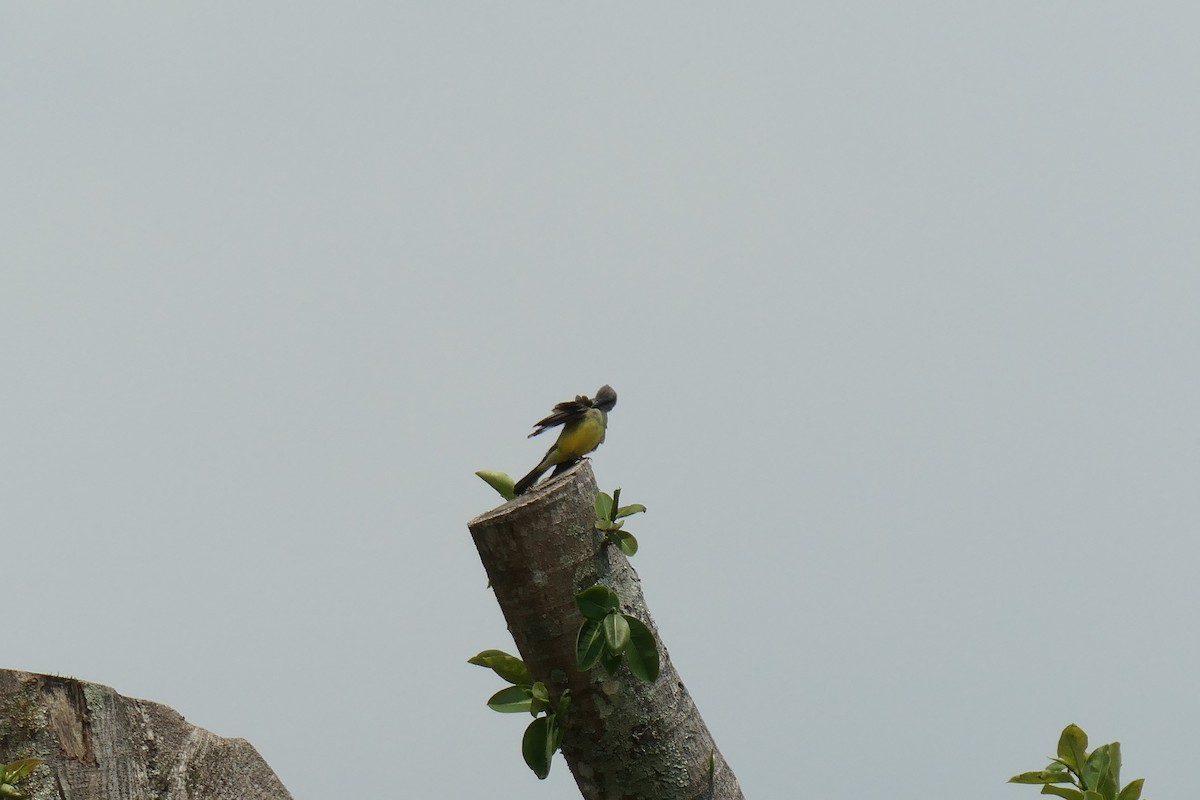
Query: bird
[584, 422]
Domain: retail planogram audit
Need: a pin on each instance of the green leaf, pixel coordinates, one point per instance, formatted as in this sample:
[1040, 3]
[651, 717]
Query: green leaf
[540, 697]
[1107, 786]
[604, 506]
[508, 667]
[535, 747]
[625, 541]
[1028, 777]
[502, 482]
[611, 663]
[1095, 768]
[1114, 764]
[510, 700]
[564, 701]
[1041, 776]
[1103, 770]
[554, 732]
[1132, 791]
[589, 645]
[1091, 795]
[8, 790]
[15, 770]
[596, 602]
[1062, 791]
[616, 633]
[642, 652]
[630, 510]
[1072, 748]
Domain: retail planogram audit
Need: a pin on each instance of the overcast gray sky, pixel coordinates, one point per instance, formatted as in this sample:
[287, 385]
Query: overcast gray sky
[900, 300]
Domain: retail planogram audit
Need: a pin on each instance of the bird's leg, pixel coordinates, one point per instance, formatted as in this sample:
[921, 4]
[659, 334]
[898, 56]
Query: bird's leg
[564, 466]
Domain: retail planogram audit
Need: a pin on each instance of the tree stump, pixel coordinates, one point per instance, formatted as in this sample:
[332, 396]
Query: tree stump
[625, 739]
[99, 745]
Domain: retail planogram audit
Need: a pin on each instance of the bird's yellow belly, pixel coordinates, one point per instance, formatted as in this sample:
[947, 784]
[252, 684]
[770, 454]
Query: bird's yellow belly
[581, 438]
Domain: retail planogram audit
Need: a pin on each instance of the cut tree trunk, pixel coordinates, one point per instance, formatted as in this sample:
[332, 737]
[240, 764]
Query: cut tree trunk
[625, 739]
[99, 745]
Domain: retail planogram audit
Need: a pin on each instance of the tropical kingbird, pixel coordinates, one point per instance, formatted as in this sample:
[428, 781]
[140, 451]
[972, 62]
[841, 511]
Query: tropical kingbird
[584, 423]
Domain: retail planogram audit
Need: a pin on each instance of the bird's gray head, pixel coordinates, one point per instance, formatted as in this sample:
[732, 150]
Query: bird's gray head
[606, 398]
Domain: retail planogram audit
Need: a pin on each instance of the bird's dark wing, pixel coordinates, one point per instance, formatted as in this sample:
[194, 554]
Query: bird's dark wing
[563, 413]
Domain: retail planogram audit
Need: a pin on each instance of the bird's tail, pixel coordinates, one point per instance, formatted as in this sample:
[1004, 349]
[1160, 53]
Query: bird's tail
[522, 486]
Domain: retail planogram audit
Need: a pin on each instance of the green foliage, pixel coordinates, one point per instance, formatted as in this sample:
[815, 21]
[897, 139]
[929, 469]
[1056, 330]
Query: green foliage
[12, 772]
[616, 633]
[596, 602]
[1089, 776]
[502, 482]
[589, 644]
[606, 635]
[608, 520]
[512, 700]
[642, 653]
[510, 668]
[535, 747]
[544, 734]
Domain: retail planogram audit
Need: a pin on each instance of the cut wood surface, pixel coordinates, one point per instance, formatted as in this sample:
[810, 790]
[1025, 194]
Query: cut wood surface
[99, 745]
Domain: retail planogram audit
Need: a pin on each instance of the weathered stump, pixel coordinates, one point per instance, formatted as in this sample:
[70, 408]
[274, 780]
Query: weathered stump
[99, 745]
[625, 739]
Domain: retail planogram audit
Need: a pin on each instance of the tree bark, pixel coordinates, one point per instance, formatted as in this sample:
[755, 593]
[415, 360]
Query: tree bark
[98, 745]
[625, 739]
